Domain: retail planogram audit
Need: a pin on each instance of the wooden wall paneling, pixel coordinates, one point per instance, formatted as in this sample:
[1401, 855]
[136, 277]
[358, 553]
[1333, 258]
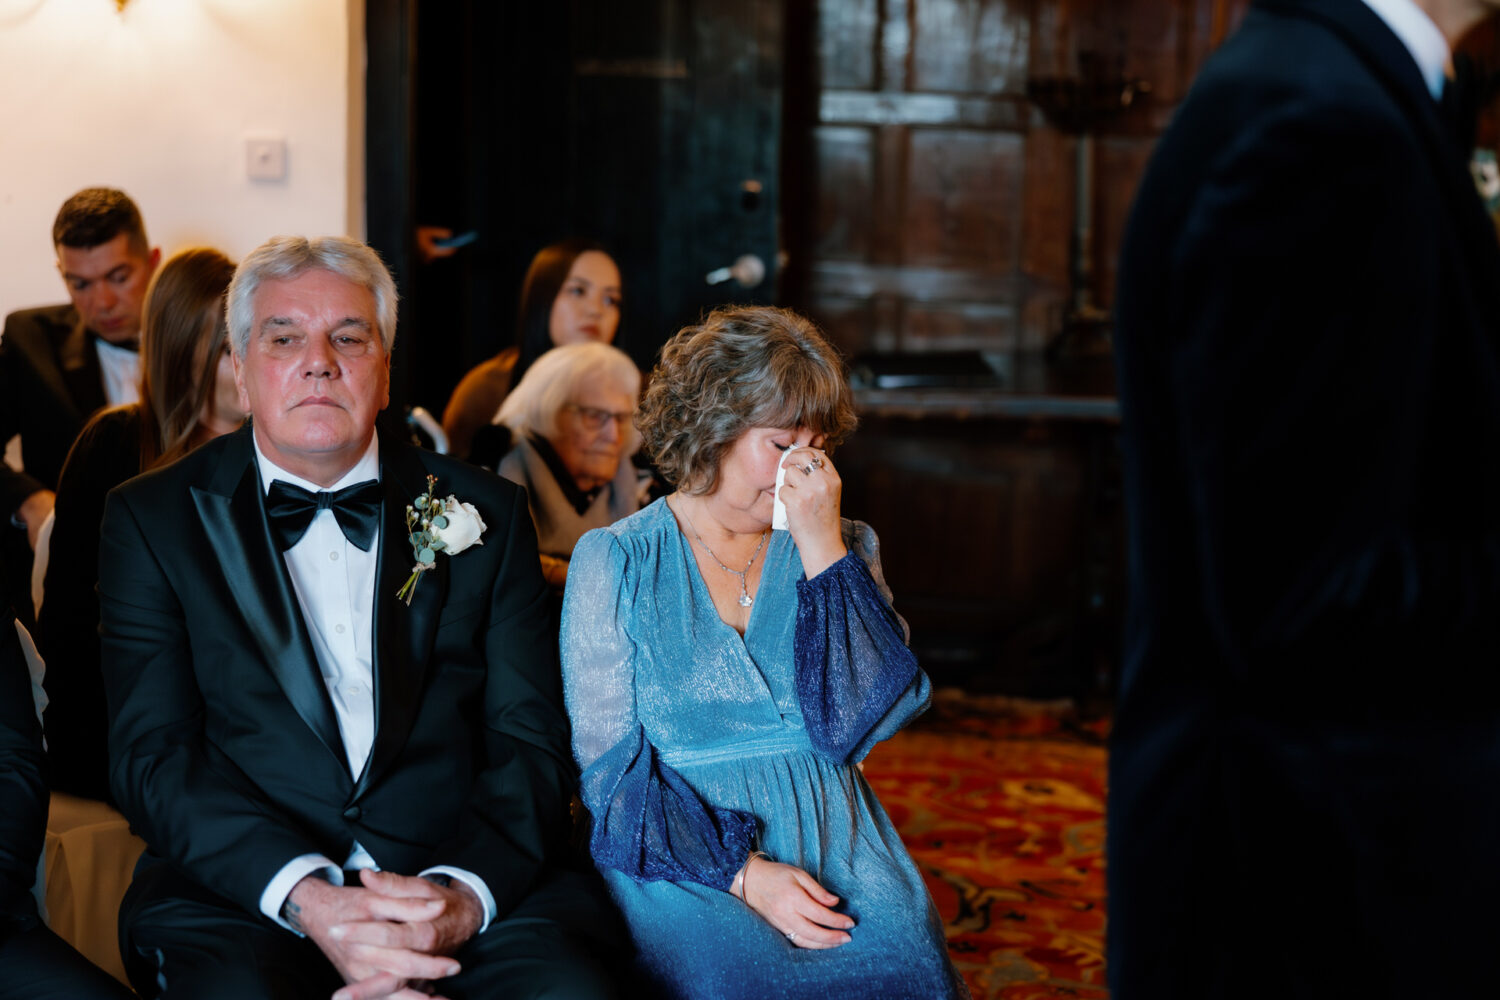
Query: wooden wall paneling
[964, 199]
[959, 326]
[889, 203]
[887, 318]
[895, 44]
[970, 46]
[978, 521]
[846, 180]
[850, 278]
[1047, 214]
[1053, 49]
[850, 323]
[848, 32]
[1010, 112]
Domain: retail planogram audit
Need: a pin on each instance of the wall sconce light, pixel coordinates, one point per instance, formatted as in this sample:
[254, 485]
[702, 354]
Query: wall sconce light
[120, 5]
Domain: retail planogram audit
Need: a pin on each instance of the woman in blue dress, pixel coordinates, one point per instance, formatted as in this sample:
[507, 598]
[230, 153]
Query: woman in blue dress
[725, 679]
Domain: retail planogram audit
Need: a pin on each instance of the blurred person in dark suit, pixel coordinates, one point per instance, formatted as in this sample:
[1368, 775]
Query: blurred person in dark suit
[1305, 771]
[60, 364]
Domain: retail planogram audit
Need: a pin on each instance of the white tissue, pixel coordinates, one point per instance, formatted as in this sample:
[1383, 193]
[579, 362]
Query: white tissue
[778, 509]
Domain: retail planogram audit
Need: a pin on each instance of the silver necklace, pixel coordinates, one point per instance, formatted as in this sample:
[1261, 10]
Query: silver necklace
[745, 599]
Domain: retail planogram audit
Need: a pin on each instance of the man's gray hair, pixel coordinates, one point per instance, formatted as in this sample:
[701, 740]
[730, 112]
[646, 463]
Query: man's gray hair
[284, 257]
[552, 381]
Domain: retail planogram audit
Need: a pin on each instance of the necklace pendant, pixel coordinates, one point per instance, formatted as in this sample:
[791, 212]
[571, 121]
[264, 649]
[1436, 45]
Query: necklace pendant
[746, 600]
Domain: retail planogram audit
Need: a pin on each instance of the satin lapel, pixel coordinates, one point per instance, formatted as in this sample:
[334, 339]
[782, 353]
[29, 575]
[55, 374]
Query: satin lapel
[234, 518]
[79, 364]
[403, 635]
[1388, 59]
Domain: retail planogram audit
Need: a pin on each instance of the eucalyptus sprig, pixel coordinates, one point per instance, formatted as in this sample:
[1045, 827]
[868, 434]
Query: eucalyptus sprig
[437, 524]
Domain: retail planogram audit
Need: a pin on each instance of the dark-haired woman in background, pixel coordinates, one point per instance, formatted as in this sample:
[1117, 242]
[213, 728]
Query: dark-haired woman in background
[188, 396]
[571, 295]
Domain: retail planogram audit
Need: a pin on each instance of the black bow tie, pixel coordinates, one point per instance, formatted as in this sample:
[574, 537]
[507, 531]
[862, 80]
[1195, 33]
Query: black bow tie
[356, 508]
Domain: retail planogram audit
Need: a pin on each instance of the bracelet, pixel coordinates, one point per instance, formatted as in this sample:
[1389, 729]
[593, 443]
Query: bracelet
[737, 887]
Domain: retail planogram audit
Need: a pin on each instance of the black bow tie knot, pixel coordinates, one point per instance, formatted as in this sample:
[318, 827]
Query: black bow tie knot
[356, 508]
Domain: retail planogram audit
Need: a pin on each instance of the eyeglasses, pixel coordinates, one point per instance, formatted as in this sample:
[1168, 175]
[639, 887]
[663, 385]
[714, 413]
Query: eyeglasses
[594, 418]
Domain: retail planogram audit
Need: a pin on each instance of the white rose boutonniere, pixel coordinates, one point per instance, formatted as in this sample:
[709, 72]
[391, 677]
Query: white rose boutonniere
[437, 524]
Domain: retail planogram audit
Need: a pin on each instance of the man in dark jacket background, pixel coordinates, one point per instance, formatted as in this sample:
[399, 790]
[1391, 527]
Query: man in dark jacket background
[1305, 772]
[60, 364]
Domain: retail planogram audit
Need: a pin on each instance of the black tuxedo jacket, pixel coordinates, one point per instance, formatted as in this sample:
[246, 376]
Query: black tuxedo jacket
[225, 752]
[23, 790]
[50, 384]
[1308, 730]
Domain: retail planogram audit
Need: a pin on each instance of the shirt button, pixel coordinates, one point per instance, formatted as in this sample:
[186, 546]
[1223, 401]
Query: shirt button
[334, 556]
[339, 629]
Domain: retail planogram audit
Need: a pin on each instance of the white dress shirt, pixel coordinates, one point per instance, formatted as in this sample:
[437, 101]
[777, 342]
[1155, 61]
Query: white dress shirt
[121, 370]
[1420, 34]
[334, 581]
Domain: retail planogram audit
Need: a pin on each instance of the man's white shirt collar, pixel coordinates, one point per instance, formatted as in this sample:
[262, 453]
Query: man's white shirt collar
[1421, 37]
[368, 467]
[120, 368]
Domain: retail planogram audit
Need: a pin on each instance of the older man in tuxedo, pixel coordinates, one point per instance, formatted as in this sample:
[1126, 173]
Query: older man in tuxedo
[281, 719]
[1305, 770]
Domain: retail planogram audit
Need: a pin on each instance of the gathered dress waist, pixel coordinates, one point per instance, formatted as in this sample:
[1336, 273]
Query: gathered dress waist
[770, 745]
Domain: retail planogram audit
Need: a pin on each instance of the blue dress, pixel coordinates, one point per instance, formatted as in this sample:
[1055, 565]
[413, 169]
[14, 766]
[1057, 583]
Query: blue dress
[698, 746]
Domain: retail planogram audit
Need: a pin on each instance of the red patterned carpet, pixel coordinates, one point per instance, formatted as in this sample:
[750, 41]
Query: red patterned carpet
[1001, 803]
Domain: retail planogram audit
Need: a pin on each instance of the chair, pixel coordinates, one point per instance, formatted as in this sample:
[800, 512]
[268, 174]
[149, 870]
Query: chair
[90, 855]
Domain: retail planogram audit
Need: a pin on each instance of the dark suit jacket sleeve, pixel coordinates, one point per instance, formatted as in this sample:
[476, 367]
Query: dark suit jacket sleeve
[1333, 489]
[23, 791]
[106, 454]
[184, 797]
[517, 810]
[15, 486]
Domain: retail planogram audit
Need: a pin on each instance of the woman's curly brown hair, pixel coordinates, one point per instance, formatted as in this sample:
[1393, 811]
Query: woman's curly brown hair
[742, 367]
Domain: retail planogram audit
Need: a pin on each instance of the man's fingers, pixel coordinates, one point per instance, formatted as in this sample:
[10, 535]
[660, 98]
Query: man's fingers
[401, 886]
[403, 963]
[380, 988]
[406, 909]
[421, 936]
[376, 987]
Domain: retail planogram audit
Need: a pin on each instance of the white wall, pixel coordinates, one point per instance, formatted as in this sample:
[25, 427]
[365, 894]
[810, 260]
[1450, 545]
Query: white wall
[158, 101]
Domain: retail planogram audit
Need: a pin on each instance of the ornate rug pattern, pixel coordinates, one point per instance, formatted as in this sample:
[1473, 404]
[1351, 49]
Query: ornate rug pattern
[1001, 803]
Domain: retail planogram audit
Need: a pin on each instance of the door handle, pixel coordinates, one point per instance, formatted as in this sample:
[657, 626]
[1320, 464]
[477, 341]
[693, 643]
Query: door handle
[747, 269]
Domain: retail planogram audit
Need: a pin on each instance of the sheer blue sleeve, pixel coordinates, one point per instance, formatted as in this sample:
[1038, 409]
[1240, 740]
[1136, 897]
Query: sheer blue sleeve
[647, 821]
[857, 682]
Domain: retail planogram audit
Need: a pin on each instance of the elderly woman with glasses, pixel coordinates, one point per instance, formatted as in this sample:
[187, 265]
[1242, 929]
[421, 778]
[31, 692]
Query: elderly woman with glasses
[570, 418]
[724, 680]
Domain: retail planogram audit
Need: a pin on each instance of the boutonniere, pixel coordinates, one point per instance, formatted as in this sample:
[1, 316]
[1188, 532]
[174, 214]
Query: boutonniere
[437, 524]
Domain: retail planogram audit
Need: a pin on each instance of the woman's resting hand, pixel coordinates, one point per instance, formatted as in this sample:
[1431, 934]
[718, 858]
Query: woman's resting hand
[793, 902]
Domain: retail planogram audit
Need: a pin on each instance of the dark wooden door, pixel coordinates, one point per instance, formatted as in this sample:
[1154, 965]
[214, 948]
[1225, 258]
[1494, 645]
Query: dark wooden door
[653, 126]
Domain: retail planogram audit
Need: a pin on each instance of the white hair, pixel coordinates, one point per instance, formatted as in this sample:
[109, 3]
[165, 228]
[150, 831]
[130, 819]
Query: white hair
[283, 257]
[549, 384]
